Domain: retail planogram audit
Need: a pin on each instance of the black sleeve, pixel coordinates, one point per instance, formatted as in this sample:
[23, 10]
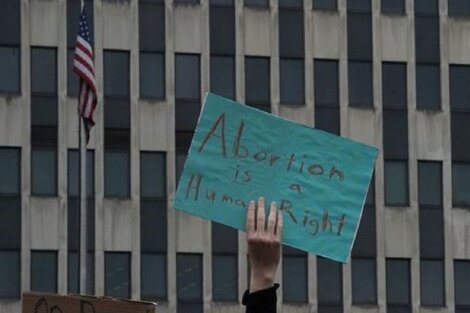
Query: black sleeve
[262, 301]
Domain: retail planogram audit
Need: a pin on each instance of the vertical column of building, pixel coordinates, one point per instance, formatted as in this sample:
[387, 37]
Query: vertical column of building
[153, 226]
[459, 79]
[188, 77]
[44, 164]
[10, 155]
[291, 53]
[117, 262]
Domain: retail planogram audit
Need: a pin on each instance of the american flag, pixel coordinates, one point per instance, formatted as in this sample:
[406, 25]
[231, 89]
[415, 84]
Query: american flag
[83, 66]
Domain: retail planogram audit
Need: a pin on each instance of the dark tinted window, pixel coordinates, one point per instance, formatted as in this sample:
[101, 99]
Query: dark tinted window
[460, 131]
[44, 271]
[327, 119]
[394, 87]
[9, 63]
[44, 171]
[459, 8]
[329, 282]
[426, 7]
[395, 134]
[428, 87]
[72, 78]
[257, 82]
[153, 276]
[396, 183]
[292, 81]
[73, 272]
[462, 282]
[432, 282]
[73, 16]
[225, 277]
[393, 6]
[360, 83]
[222, 30]
[117, 176]
[10, 169]
[326, 83]
[364, 281]
[427, 38]
[152, 175]
[152, 75]
[291, 33]
[10, 274]
[430, 184]
[189, 282]
[10, 22]
[117, 272]
[187, 91]
[398, 282]
[43, 71]
[257, 3]
[116, 74]
[294, 278]
[325, 5]
[359, 36]
[459, 82]
[365, 242]
[73, 178]
[359, 6]
[153, 226]
[460, 184]
[186, 1]
[151, 26]
[291, 4]
[431, 233]
[223, 76]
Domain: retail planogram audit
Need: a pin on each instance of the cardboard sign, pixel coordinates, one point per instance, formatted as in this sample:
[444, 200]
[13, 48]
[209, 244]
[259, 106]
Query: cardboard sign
[34, 302]
[317, 179]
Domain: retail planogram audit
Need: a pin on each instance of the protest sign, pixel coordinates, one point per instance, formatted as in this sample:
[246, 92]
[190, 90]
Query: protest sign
[317, 179]
[33, 302]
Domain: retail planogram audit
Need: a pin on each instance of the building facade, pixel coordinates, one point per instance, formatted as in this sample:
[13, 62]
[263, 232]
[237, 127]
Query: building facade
[391, 73]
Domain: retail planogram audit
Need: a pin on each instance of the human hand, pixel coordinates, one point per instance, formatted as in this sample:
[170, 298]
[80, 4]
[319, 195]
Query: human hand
[264, 244]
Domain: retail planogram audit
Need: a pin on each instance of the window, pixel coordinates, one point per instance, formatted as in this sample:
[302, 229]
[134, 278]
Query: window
[224, 263]
[292, 81]
[189, 283]
[460, 182]
[329, 286]
[73, 15]
[73, 272]
[10, 63]
[360, 83]
[291, 33]
[44, 171]
[431, 233]
[117, 124]
[364, 281]
[186, 2]
[462, 285]
[117, 274]
[10, 223]
[393, 6]
[223, 75]
[187, 91]
[291, 4]
[222, 29]
[396, 183]
[257, 3]
[153, 225]
[359, 36]
[328, 5]
[152, 75]
[44, 271]
[427, 38]
[428, 85]
[459, 91]
[394, 87]
[10, 47]
[426, 7]
[258, 83]
[459, 8]
[294, 275]
[365, 242]
[182, 142]
[326, 90]
[152, 49]
[398, 285]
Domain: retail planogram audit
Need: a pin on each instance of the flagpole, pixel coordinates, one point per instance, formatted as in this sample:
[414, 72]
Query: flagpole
[83, 197]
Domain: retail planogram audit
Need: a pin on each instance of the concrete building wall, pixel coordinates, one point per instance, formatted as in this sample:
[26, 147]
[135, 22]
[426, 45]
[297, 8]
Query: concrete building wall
[44, 219]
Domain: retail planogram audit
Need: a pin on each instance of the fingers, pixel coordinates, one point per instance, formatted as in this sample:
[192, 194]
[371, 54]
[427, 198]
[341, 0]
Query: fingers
[250, 218]
[260, 215]
[279, 226]
[272, 219]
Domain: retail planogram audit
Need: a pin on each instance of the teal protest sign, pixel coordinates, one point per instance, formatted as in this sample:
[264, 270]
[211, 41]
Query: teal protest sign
[318, 180]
